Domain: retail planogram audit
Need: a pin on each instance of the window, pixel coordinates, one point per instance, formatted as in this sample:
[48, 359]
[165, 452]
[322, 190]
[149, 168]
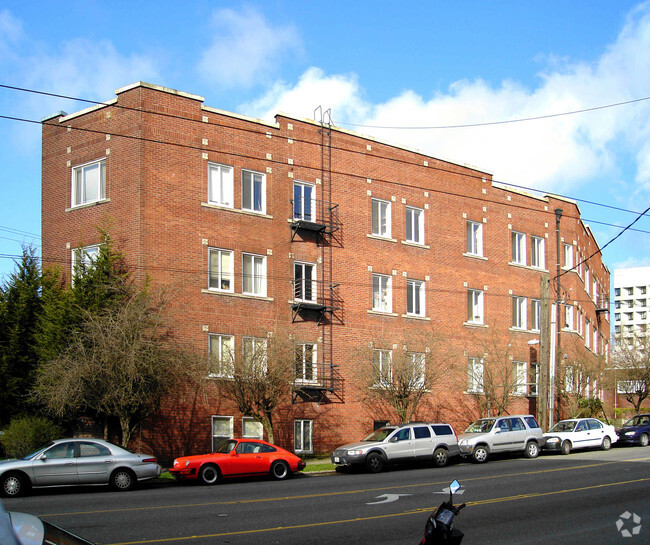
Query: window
[537, 252]
[83, 259]
[521, 375]
[535, 314]
[254, 354]
[518, 248]
[414, 298]
[254, 277]
[304, 201]
[89, 183]
[303, 436]
[306, 362]
[251, 428]
[519, 312]
[569, 379]
[221, 430]
[587, 332]
[414, 225]
[253, 190]
[629, 292]
[568, 317]
[382, 372]
[617, 316]
[381, 218]
[642, 290]
[220, 185]
[534, 380]
[617, 292]
[417, 362]
[568, 256]
[587, 282]
[474, 375]
[220, 270]
[381, 293]
[304, 282]
[221, 355]
[475, 238]
[475, 306]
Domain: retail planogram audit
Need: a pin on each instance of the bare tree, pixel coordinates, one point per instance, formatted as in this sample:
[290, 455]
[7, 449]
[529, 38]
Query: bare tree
[258, 380]
[400, 374]
[630, 371]
[496, 370]
[122, 363]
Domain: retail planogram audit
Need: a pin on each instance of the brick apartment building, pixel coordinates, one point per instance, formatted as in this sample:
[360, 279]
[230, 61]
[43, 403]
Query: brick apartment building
[346, 241]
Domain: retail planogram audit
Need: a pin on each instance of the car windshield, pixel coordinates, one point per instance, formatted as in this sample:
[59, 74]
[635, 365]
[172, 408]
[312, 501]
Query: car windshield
[565, 425]
[380, 434]
[226, 447]
[37, 452]
[481, 426]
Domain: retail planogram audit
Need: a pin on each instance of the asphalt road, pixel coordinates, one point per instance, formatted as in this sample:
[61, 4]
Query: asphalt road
[575, 499]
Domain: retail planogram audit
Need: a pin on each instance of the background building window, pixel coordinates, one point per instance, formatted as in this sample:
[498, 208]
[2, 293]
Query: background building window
[220, 185]
[521, 375]
[381, 293]
[537, 256]
[251, 428]
[304, 201]
[254, 275]
[83, 259]
[417, 363]
[221, 270]
[221, 355]
[414, 225]
[254, 355]
[519, 312]
[518, 248]
[535, 314]
[221, 430]
[568, 256]
[253, 191]
[475, 306]
[381, 218]
[89, 183]
[382, 371]
[306, 367]
[475, 238]
[415, 298]
[304, 282]
[474, 375]
[303, 440]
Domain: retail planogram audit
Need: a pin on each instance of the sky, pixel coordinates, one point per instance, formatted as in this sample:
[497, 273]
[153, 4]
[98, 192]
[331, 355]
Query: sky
[551, 96]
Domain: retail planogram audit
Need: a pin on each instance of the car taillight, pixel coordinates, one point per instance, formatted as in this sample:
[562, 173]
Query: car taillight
[152, 460]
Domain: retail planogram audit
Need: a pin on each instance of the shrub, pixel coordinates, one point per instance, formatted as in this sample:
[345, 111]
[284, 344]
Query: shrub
[26, 434]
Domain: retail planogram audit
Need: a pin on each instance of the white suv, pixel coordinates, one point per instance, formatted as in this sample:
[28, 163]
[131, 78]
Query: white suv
[518, 433]
[414, 442]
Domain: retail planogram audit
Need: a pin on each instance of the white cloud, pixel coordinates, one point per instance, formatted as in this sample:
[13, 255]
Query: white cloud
[557, 153]
[245, 49]
[10, 30]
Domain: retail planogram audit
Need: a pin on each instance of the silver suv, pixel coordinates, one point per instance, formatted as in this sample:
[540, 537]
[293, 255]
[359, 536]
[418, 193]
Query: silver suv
[518, 433]
[414, 442]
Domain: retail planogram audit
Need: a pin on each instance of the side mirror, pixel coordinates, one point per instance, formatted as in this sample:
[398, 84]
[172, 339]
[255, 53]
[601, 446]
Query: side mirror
[233, 453]
[454, 487]
[43, 457]
[393, 439]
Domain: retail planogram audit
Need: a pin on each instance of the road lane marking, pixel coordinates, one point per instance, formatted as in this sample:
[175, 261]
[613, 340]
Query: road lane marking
[337, 493]
[375, 517]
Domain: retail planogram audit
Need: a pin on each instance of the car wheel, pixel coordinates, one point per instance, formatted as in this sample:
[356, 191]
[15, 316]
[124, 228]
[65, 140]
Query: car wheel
[375, 462]
[606, 444]
[566, 447]
[643, 440]
[122, 479]
[532, 449]
[14, 485]
[480, 454]
[209, 474]
[440, 457]
[280, 470]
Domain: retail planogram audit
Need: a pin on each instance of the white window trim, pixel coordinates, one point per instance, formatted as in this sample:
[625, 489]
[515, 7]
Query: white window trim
[535, 314]
[229, 420]
[519, 312]
[90, 254]
[518, 248]
[303, 282]
[299, 446]
[251, 422]
[252, 174]
[417, 295]
[521, 373]
[254, 277]
[537, 252]
[474, 242]
[415, 218]
[475, 303]
[302, 379]
[312, 200]
[380, 204]
[221, 276]
[225, 195]
[475, 375]
[382, 367]
[101, 190]
[385, 285]
[218, 337]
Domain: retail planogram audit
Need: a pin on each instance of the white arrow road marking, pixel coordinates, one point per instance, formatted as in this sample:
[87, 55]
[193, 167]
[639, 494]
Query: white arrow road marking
[388, 498]
[446, 491]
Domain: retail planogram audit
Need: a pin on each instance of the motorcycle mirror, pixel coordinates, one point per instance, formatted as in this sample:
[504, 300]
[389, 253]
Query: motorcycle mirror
[454, 487]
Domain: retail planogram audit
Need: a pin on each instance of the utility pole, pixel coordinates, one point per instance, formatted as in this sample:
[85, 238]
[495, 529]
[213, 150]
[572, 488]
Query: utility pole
[558, 312]
[544, 353]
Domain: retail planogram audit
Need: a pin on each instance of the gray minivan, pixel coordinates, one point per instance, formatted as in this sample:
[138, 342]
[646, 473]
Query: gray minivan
[518, 433]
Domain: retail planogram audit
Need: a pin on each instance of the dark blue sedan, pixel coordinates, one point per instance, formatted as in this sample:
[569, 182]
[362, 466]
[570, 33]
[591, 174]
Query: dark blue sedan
[636, 431]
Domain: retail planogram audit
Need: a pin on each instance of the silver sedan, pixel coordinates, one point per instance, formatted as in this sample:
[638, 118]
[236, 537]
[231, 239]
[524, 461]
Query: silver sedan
[77, 462]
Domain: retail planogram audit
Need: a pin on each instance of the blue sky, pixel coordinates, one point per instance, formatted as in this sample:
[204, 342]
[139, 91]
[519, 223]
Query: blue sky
[375, 64]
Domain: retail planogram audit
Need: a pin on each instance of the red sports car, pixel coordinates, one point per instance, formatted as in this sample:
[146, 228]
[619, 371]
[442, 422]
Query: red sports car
[238, 458]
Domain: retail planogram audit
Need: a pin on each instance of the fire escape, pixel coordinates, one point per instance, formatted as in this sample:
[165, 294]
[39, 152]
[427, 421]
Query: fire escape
[317, 221]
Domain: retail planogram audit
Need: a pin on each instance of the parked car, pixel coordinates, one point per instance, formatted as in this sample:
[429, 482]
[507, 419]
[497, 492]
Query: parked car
[576, 433]
[32, 530]
[238, 458]
[77, 462]
[636, 431]
[518, 433]
[415, 442]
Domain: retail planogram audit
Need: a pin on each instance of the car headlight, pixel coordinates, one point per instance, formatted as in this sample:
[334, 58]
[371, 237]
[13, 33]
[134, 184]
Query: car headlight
[553, 440]
[187, 463]
[356, 452]
[630, 433]
[175, 463]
